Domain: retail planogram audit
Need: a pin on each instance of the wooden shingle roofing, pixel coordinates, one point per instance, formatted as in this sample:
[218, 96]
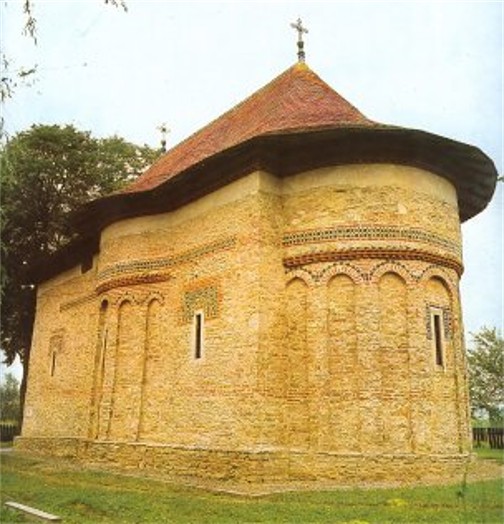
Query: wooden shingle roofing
[293, 124]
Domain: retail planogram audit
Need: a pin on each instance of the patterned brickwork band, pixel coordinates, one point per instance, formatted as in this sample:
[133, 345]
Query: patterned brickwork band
[363, 232]
[372, 253]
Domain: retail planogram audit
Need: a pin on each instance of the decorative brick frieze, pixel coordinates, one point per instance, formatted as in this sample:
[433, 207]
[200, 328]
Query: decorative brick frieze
[324, 274]
[154, 270]
[370, 232]
[391, 266]
[149, 265]
[371, 253]
[131, 280]
[80, 301]
[205, 298]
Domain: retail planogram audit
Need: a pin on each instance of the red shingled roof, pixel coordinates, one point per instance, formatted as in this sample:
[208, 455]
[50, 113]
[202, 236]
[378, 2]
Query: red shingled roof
[295, 100]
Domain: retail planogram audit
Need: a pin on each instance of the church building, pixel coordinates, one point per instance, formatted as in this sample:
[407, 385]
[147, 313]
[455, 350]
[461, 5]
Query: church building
[276, 299]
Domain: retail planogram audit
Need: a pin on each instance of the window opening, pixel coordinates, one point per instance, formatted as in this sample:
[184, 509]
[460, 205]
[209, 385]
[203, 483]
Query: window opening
[53, 363]
[198, 335]
[55, 346]
[438, 338]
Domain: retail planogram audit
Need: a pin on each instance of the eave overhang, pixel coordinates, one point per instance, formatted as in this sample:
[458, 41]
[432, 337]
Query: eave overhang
[283, 154]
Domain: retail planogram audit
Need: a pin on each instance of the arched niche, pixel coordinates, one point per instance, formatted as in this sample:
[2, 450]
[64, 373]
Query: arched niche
[393, 310]
[342, 403]
[297, 365]
[154, 379]
[341, 329]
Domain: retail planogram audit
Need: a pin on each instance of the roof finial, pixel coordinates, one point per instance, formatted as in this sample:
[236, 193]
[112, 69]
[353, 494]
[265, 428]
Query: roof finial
[298, 26]
[164, 130]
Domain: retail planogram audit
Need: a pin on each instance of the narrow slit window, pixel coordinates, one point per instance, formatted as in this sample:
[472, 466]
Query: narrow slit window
[438, 339]
[198, 335]
[55, 347]
[53, 363]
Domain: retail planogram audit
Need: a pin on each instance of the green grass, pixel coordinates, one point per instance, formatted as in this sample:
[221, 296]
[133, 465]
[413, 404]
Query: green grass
[485, 423]
[84, 496]
[485, 452]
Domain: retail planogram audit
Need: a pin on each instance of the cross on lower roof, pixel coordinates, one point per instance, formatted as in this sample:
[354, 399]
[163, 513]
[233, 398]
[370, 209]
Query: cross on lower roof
[298, 26]
[163, 130]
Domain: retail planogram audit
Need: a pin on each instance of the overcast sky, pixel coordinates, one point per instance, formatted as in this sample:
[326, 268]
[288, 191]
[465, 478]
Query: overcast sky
[436, 66]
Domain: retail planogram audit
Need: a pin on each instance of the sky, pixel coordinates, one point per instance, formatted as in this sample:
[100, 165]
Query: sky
[436, 66]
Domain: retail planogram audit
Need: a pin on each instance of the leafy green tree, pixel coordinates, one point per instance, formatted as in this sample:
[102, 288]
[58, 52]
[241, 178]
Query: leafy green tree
[486, 374]
[48, 172]
[9, 399]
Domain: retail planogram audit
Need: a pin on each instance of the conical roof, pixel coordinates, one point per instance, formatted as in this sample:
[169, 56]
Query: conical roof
[296, 100]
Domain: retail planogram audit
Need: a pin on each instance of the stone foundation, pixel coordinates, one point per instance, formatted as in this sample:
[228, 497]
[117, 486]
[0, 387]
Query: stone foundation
[230, 469]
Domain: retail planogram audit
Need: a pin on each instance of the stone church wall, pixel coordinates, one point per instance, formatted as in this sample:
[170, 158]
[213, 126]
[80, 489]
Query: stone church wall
[128, 330]
[60, 371]
[322, 297]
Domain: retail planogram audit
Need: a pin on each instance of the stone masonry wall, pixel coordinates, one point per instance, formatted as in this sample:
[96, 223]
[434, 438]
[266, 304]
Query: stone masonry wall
[330, 327]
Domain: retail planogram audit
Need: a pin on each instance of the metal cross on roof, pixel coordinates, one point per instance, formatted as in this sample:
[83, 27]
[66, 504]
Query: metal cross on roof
[298, 26]
[164, 130]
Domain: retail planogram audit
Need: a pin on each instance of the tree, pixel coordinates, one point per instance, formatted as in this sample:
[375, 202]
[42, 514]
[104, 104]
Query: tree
[486, 367]
[9, 399]
[47, 173]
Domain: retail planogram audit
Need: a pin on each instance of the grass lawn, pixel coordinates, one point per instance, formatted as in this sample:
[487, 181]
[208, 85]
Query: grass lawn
[84, 496]
[485, 452]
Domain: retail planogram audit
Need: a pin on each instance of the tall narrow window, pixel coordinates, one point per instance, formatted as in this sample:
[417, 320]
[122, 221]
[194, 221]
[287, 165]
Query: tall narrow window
[438, 338]
[55, 348]
[53, 363]
[198, 335]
